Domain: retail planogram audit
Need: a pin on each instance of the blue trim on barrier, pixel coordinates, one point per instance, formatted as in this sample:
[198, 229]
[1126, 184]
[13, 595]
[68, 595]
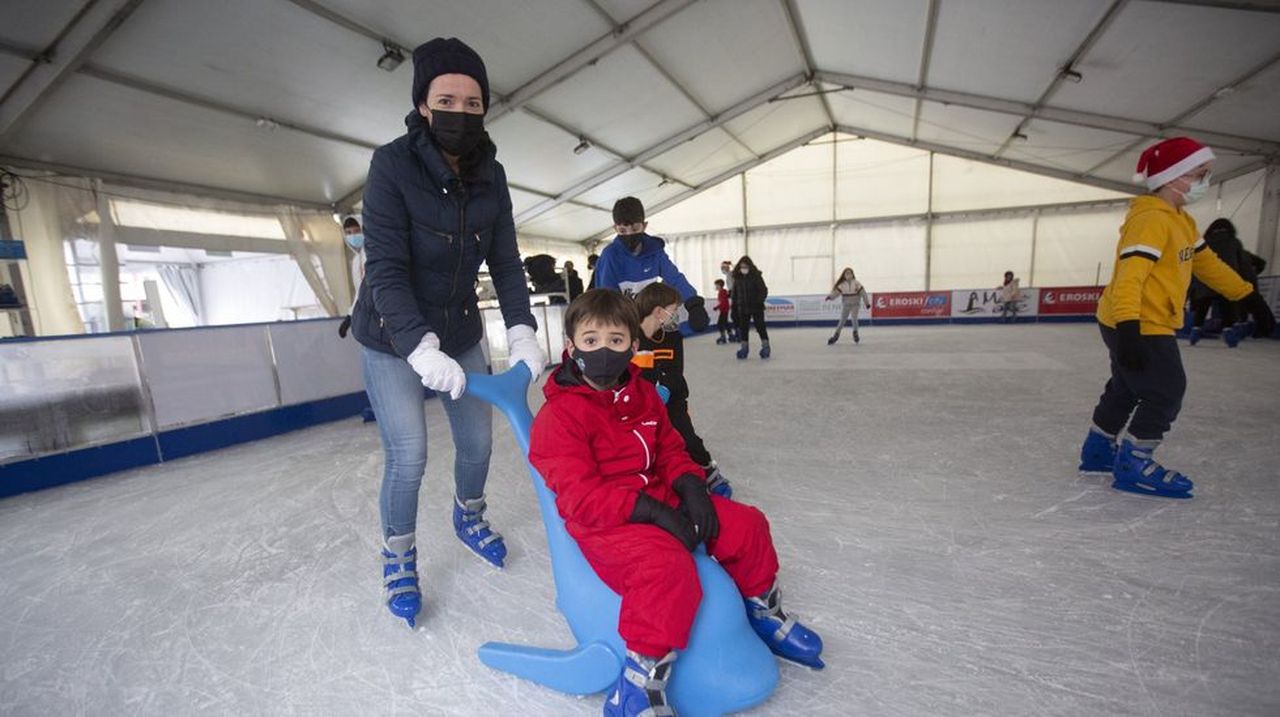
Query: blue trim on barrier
[78, 465]
[936, 321]
[182, 442]
[62, 468]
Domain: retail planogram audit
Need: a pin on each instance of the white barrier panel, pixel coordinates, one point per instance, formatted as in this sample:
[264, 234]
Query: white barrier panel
[807, 307]
[313, 362]
[203, 374]
[985, 303]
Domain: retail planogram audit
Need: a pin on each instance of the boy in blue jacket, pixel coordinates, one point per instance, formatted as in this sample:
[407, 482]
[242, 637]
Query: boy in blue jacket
[635, 259]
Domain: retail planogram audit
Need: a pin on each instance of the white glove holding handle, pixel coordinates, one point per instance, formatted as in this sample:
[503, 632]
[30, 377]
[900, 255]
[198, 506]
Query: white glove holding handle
[438, 370]
[523, 347]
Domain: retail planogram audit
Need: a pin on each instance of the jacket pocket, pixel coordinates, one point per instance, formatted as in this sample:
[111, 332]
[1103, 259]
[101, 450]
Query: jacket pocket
[431, 245]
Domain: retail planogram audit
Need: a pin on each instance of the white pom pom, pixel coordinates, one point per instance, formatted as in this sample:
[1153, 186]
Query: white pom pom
[1139, 178]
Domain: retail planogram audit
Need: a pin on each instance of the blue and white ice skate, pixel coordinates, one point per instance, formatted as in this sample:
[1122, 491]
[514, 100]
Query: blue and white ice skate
[717, 484]
[400, 577]
[784, 635]
[474, 531]
[743, 350]
[1137, 471]
[641, 689]
[1098, 454]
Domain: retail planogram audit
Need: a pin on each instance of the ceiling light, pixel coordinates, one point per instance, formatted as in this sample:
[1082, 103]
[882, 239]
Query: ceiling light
[1020, 137]
[391, 58]
[268, 124]
[583, 145]
[1071, 75]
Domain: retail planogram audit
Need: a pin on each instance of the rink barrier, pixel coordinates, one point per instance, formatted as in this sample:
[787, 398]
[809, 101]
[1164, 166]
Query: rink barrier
[83, 406]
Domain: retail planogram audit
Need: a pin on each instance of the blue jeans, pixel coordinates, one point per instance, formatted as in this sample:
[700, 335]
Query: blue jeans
[395, 390]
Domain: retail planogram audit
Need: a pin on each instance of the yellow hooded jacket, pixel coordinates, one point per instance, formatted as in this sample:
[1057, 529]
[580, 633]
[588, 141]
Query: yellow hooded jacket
[1158, 251]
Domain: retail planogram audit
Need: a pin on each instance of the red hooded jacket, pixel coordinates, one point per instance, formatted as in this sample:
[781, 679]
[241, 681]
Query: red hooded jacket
[598, 450]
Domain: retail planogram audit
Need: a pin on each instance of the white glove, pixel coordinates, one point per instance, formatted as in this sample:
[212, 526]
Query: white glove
[438, 370]
[523, 346]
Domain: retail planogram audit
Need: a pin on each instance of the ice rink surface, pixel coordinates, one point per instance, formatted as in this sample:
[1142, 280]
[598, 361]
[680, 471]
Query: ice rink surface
[924, 501]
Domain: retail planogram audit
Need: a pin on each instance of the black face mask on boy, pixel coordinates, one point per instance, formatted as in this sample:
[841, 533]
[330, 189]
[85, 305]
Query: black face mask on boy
[603, 366]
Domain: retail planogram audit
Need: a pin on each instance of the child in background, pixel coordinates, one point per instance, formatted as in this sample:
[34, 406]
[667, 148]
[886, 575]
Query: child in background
[636, 505]
[1009, 296]
[722, 308]
[661, 360]
[852, 296]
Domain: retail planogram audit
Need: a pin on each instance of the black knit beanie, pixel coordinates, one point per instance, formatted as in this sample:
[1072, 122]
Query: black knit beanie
[444, 56]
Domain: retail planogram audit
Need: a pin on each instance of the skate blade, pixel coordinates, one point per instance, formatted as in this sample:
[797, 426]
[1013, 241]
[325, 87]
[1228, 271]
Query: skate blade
[1152, 492]
[814, 663]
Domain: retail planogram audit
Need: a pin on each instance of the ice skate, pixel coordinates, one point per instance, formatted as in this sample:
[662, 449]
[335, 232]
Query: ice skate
[856, 338]
[833, 339]
[786, 637]
[641, 689]
[717, 484]
[765, 351]
[1098, 454]
[743, 349]
[400, 577]
[1137, 471]
[1197, 333]
[474, 532]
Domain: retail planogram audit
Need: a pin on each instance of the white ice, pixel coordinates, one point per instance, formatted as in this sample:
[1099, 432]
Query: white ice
[923, 493]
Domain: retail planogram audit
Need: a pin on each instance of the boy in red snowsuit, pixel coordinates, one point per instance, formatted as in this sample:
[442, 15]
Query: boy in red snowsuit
[638, 505]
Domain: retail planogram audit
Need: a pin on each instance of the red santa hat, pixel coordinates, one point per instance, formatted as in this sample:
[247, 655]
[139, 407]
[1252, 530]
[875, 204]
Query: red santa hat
[1167, 160]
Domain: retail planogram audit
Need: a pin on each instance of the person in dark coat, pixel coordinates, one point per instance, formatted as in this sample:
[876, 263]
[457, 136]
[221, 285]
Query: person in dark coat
[747, 301]
[436, 206]
[1221, 238]
[575, 281]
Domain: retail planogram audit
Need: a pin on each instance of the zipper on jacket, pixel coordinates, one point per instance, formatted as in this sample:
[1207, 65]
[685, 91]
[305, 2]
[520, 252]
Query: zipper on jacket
[648, 457]
[461, 195]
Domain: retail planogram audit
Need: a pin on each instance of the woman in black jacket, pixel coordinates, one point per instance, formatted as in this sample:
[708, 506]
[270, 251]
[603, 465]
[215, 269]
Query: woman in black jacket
[748, 295]
[436, 205]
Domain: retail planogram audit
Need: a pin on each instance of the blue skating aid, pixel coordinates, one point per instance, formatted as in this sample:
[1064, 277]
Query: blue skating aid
[1137, 471]
[664, 393]
[726, 668]
[1098, 454]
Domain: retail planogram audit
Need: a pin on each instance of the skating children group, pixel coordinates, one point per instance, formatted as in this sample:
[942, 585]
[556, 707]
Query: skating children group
[635, 484]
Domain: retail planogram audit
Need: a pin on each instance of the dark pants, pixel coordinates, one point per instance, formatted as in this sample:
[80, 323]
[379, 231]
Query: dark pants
[722, 323]
[1153, 395]
[1228, 311]
[745, 317]
[678, 412]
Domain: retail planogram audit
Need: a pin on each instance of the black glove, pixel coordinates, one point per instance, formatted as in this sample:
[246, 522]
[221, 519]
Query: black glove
[1129, 353]
[696, 503]
[1257, 307]
[698, 318]
[652, 510]
[344, 326]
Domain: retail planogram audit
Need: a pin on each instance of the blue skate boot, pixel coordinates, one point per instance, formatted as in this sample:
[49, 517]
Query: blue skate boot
[717, 484]
[765, 351]
[1197, 333]
[474, 532]
[1137, 471]
[743, 349]
[1231, 335]
[641, 689]
[400, 577]
[784, 636]
[1098, 454]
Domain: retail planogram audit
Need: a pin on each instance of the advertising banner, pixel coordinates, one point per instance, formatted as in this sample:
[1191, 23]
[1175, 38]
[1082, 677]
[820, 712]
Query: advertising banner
[985, 303]
[1070, 300]
[911, 305]
[779, 308]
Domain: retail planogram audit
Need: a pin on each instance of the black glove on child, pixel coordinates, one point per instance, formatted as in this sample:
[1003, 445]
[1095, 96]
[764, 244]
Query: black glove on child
[1257, 307]
[1129, 353]
[652, 510]
[344, 326]
[696, 503]
[697, 309]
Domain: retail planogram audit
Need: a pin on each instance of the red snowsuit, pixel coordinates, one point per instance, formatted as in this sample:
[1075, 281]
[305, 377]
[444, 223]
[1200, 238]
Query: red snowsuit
[598, 450]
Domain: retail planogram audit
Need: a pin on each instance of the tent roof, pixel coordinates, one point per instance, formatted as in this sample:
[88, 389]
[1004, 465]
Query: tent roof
[282, 99]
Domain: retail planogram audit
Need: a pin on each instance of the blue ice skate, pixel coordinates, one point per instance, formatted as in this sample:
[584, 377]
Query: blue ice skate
[765, 351]
[400, 577]
[641, 689]
[725, 667]
[743, 350]
[1197, 333]
[784, 635]
[474, 531]
[717, 484]
[1137, 471]
[1098, 454]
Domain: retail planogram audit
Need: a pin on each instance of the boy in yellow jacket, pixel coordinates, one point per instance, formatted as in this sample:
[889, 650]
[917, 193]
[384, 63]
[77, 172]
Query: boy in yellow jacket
[1139, 312]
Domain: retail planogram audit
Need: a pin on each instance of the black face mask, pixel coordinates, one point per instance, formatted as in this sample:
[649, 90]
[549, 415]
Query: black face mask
[602, 366]
[632, 241]
[456, 132]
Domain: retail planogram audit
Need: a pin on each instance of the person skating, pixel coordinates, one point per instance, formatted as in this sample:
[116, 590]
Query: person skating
[747, 298]
[853, 296]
